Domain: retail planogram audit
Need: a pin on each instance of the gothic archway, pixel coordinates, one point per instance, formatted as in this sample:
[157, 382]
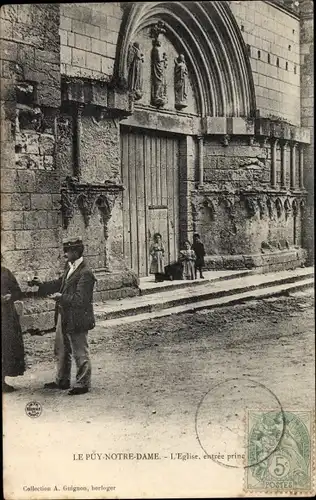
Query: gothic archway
[209, 36]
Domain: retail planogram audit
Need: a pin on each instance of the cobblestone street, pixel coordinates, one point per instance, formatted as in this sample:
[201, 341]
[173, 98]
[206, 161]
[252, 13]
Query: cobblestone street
[148, 379]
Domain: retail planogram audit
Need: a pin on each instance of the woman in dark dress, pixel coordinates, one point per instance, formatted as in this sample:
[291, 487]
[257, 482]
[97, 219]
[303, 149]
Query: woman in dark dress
[13, 363]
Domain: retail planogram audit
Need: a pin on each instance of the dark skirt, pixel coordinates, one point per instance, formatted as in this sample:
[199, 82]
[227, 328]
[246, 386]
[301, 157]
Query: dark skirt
[199, 262]
[11, 334]
[12, 342]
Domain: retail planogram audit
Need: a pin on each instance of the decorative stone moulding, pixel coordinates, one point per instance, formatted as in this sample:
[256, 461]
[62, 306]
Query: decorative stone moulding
[97, 95]
[278, 129]
[85, 197]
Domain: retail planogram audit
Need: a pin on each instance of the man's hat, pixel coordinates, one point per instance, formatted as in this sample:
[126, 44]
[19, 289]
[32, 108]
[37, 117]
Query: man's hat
[72, 243]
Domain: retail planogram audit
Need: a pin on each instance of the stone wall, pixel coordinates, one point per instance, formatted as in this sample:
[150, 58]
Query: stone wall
[30, 96]
[237, 211]
[88, 38]
[272, 35]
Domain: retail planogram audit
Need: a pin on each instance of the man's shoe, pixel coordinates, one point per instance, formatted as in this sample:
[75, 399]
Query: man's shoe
[78, 390]
[7, 388]
[54, 385]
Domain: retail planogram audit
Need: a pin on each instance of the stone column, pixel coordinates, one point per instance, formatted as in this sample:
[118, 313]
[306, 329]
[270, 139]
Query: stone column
[293, 165]
[283, 164]
[301, 167]
[201, 155]
[77, 132]
[274, 143]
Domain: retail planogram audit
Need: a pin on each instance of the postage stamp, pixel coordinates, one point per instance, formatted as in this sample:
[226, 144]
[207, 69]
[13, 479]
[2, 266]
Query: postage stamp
[279, 452]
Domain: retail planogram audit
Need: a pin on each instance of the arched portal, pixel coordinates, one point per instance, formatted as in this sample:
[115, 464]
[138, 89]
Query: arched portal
[208, 35]
[182, 63]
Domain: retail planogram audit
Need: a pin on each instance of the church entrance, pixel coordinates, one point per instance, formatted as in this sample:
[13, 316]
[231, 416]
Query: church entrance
[150, 175]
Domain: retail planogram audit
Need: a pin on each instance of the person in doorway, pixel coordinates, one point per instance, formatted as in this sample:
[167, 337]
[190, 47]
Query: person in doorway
[199, 250]
[74, 317]
[13, 363]
[157, 253]
[187, 257]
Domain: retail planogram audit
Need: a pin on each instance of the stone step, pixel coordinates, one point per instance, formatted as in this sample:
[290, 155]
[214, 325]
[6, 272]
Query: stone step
[261, 293]
[148, 286]
[207, 291]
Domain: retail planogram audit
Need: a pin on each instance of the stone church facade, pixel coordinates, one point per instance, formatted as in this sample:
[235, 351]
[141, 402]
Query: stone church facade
[119, 120]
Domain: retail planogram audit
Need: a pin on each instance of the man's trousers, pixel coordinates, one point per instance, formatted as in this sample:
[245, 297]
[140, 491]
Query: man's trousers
[66, 345]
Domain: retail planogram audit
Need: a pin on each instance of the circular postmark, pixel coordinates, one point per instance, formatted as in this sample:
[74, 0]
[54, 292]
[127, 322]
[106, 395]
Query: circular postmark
[33, 409]
[224, 419]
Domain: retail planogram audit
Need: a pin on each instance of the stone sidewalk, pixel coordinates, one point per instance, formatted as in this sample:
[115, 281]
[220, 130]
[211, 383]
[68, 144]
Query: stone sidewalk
[218, 288]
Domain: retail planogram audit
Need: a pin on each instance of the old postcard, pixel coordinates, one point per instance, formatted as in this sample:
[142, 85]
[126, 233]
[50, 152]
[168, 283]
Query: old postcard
[157, 249]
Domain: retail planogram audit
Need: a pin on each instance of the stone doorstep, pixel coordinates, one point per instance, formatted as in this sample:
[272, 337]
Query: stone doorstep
[189, 295]
[148, 286]
[261, 293]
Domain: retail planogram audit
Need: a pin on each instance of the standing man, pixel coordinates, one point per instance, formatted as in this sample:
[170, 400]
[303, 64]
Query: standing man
[74, 316]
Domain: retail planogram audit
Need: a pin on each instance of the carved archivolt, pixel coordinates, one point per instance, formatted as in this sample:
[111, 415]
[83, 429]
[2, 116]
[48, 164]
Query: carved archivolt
[215, 52]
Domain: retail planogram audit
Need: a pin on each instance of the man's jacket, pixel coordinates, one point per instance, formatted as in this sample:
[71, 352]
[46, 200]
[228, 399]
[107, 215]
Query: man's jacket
[75, 304]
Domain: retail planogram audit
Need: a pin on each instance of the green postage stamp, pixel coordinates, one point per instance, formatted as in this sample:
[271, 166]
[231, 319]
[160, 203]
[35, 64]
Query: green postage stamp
[279, 452]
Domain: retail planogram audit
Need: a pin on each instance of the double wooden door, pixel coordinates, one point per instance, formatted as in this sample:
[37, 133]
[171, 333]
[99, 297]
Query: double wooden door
[150, 175]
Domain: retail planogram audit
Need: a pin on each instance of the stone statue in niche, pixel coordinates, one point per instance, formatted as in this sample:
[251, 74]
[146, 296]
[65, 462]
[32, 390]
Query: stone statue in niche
[158, 68]
[135, 71]
[181, 82]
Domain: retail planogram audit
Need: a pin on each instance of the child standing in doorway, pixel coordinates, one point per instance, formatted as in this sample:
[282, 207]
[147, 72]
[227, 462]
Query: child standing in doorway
[199, 250]
[187, 257]
[157, 253]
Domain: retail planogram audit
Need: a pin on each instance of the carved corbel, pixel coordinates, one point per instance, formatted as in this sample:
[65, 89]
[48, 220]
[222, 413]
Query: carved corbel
[251, 206]
[270, 207]
[295, 207]
[279, 207]
[265, 142]
[208, 203]
[67, 207]
[98, 115]
[262, 207]
[287, 208]
[251, 140]
[85, 202]
[225, 140]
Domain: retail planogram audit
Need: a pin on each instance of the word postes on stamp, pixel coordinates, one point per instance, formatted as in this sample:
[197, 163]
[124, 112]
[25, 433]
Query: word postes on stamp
[279, 452]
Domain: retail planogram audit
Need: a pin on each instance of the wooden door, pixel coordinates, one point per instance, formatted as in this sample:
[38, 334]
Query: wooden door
[150, 175]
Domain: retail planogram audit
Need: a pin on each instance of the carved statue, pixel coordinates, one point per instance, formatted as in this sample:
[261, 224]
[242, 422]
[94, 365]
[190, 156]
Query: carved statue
[158, 74]
[135, 71]
[180, 82]
[158, 67]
